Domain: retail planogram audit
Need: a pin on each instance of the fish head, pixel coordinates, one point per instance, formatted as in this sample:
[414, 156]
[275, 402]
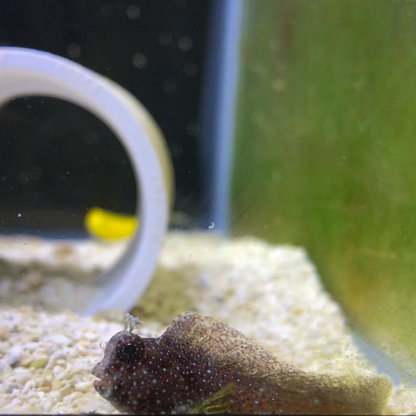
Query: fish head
[136, 375]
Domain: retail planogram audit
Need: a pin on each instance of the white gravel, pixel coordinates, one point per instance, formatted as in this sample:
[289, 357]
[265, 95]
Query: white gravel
[270, 293]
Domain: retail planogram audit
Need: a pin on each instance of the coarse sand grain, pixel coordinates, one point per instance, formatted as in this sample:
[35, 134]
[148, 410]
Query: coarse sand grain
[272, 294]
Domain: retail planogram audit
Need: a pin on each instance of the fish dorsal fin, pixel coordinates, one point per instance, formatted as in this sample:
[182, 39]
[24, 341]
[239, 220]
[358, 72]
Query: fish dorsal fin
[225, 346]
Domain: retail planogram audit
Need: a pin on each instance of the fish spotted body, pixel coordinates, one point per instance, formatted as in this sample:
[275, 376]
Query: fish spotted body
[197, 356]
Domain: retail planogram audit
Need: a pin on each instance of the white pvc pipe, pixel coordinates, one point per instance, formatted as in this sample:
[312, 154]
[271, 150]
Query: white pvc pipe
[25, 72]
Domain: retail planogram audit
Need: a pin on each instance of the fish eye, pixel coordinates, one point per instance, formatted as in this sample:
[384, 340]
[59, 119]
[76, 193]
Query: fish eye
[131, 352]
[129, 349]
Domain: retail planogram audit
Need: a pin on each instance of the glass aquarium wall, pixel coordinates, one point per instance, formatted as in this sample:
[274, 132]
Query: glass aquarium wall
[326, 151]
[259, 256]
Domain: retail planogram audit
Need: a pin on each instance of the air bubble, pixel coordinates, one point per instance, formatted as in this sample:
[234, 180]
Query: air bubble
[133, 12]
[139, 60]
[185, 44]
[165, 39]
[176, 150]
[192, 128]
[191, 69]
[74, 51]
[169, 86]
[106, 9]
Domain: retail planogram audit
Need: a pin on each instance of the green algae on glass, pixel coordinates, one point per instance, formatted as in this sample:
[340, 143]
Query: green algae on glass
[326, 150]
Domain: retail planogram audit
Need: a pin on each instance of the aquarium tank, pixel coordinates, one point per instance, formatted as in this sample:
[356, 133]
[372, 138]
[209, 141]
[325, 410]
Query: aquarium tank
[206, 207]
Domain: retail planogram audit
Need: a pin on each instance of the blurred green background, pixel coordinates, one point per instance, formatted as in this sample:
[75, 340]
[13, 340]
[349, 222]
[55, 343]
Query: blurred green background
[326, 151]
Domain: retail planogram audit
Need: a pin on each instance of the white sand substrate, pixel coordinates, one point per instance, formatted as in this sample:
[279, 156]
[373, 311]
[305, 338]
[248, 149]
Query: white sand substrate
[272, 294]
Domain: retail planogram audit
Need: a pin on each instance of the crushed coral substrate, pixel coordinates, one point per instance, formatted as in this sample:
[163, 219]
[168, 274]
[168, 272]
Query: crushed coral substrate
[272, 294]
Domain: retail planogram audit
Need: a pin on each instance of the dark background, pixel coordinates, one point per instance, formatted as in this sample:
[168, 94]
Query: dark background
[56, 159]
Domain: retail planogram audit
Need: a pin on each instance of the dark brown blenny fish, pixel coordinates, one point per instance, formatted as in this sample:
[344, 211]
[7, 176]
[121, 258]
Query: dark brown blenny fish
[197, 357]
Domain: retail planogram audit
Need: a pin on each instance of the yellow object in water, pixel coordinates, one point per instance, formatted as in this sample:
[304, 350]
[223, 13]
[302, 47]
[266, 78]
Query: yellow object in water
[109, 225]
